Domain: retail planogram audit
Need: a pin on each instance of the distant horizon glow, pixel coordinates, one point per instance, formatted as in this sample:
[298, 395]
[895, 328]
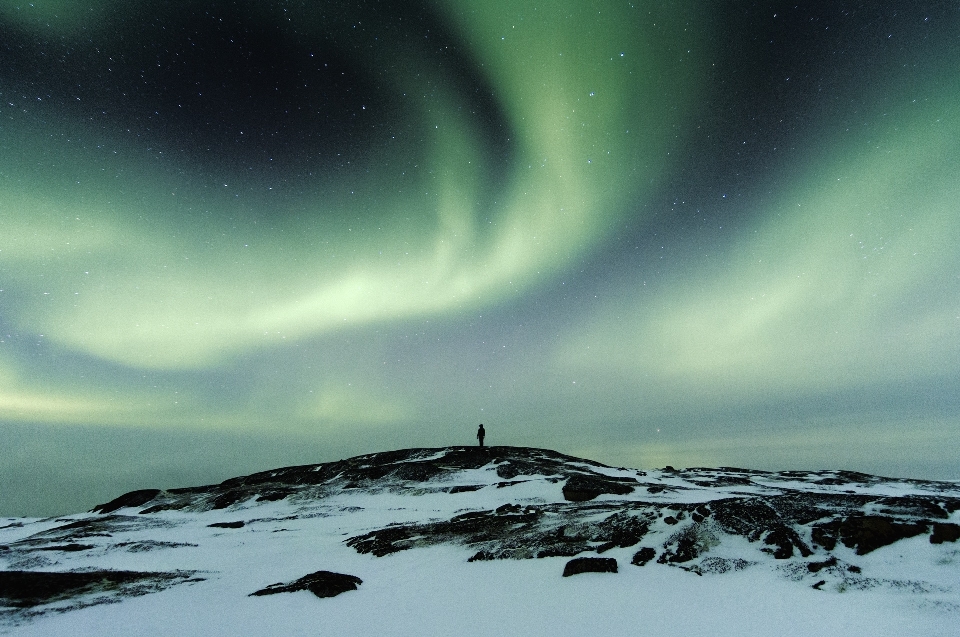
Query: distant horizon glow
[647, 234]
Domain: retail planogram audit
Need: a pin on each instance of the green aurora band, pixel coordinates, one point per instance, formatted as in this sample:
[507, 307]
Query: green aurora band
[137, 289]
[105, 253]
[586, 123]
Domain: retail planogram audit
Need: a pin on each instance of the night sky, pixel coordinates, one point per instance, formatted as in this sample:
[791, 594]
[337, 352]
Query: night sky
[238, 235]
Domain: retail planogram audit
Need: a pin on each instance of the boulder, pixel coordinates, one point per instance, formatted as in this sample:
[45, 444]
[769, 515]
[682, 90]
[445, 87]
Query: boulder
[581, 488]
[590, 565]
[643, 556]
[944, 532]
[321, 584]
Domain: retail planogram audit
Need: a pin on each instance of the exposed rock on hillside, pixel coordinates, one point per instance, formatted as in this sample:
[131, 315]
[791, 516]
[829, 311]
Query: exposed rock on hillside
[492, 504]
[590, 565]
[28, 589]
[321, 584]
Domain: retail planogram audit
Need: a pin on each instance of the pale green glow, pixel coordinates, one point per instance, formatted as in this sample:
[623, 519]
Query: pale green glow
[27, 400]
[850, 281]
[115, 266]
[347, 407]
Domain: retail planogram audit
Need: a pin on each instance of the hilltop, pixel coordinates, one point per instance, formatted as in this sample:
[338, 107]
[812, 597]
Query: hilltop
[504, 540]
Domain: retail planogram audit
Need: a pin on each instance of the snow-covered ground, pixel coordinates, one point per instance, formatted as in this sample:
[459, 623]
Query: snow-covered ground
[424, 584]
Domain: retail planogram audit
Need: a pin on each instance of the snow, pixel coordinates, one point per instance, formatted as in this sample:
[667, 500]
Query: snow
[436, 591]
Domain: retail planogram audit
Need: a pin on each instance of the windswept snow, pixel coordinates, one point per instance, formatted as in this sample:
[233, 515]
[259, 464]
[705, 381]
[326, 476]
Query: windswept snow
[437, 538]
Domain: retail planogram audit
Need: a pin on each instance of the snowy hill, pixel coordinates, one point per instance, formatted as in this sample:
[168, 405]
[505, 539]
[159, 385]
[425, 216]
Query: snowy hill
[503, 541]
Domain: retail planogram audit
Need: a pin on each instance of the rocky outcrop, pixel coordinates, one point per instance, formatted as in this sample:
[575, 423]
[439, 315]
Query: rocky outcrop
[867, 533]
[590, 565]
[644, 555]
[582, 488]
[515, 532]
[28, 589]
[321, 584]
[131, 499]
[392, 471]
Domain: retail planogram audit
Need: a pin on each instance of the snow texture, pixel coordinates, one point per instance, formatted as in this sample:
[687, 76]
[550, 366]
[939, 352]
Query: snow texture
[500, 541]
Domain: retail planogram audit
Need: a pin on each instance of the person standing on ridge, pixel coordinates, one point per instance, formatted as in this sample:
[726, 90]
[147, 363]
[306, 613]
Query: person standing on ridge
[480, 434]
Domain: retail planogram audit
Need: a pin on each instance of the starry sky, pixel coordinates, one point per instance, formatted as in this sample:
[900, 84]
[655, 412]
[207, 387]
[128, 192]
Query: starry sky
[244, 234]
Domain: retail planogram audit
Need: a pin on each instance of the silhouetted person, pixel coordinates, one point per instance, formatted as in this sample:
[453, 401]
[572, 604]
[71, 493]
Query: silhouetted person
[480, 434]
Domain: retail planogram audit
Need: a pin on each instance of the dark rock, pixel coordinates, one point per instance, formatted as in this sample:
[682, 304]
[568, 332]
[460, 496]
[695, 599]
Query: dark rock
[465, 488]
[392, 539]
[783, 539]
[816, 567]
[321, 584]
[753, 517]
[582, 488]
[643, 556]
[944, 532]
[230, 497]
[701, 513]
[26, 589]
[167, 506]
[227, 525]
[418, 471]
[670, 520]
[826, 534]
[513, 467]
[590, 565]
[819, 584]
[869, 532]
[72, 547]
[131, 499]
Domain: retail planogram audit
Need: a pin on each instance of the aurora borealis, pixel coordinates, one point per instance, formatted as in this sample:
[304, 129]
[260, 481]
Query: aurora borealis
[239, 235]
